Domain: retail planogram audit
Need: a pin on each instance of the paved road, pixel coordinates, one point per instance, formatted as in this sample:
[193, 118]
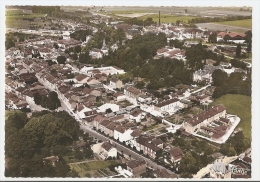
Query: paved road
[125, 150]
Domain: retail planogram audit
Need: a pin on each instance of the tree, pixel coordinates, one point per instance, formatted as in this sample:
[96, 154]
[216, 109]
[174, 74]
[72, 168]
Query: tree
[185, 10]
[78, 154]
[61, 59]
[77, 49]
[108, 110]
[238, 51]
[37, 98]
[212, 38]
[219, 77]
[88, 153]
[248, 39]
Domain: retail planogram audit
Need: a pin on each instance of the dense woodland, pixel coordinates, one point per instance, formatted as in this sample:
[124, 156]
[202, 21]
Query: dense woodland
[45, 134]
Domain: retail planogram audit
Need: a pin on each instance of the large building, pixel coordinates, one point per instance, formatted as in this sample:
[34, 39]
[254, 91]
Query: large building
[193, 124]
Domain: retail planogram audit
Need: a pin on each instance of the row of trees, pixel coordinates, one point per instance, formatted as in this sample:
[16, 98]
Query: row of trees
[28, 141]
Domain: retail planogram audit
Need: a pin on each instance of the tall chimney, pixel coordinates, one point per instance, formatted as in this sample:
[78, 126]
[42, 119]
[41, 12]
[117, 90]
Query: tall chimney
[159, 19]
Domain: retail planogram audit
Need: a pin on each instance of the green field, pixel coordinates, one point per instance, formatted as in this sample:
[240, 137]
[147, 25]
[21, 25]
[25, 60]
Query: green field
[239, 105]
[237, 23]
[166, 18]
[83, 168]
[16, 21]
[13, 12]
[35, 15]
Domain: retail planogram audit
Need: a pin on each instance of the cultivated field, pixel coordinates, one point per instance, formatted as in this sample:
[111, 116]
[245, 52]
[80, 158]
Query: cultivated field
[166, 18]
[222, 27]
[15, 18]
[239, 105]
[238, 23]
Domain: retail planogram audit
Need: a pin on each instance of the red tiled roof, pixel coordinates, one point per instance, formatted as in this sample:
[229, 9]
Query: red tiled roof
[205, 115]
[81, 77]
[134, 164]
[107, 146]
[167, 102]
[133, 90]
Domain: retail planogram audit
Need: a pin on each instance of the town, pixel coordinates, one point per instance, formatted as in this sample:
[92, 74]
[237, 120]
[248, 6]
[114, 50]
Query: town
[94, 94]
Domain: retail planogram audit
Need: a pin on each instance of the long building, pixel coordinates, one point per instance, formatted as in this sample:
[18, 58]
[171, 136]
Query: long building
[202, 119]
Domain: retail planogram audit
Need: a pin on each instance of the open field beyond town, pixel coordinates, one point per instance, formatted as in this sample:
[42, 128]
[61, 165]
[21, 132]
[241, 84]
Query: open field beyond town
[166, 18]
[85, 169]
[240, 26]
[239, 105]
[247, 23]
[15, 18]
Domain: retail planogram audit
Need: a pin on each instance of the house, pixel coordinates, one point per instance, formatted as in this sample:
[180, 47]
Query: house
[118, 96]
[51, 159]
[136, 167]
[233, 36]
[122, 133]
[194, 124]
[81, 79]
[220, 170]
[102, 126]
[115, 83]
[176, 154]
[104, 150]
[149, 145]
[203, 98]
[137, 115]
[110, 127]
[170, 104]
[132, 92]
[96, 53]
[97, 120]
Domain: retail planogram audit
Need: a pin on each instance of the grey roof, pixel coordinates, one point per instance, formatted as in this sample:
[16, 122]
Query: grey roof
[220, 167]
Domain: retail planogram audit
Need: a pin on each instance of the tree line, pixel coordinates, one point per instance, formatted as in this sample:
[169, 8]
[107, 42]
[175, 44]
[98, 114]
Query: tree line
[218, 19]
[28, 141]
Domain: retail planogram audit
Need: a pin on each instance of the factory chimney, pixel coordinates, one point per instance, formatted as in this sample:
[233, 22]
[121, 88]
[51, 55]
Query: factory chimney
[159, 19]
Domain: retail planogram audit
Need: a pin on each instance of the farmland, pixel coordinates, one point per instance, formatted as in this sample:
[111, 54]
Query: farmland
[166, 18]
[238, 23]
[222, 27]
[239, 105]
[15, 18]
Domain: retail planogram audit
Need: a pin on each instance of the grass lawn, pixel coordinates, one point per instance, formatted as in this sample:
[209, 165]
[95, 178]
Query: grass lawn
[247, 23]
[85, 168]
[35, 15]
[166, 18]
[239, 105]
